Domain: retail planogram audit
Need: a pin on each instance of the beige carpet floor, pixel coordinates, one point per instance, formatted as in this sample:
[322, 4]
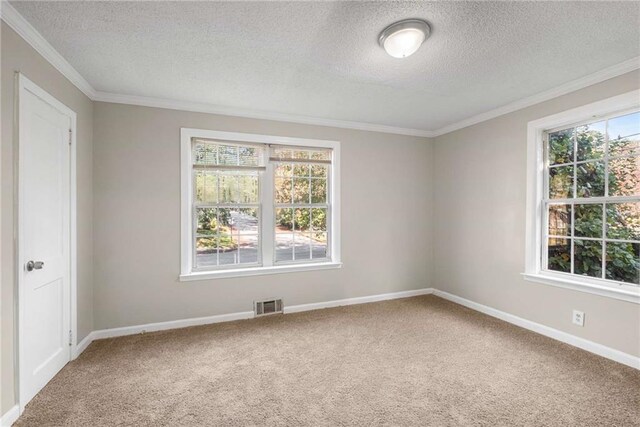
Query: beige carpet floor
[416, 361]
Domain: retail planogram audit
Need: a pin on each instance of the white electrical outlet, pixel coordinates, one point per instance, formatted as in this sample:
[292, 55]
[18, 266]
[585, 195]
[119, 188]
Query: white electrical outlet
[578, 317]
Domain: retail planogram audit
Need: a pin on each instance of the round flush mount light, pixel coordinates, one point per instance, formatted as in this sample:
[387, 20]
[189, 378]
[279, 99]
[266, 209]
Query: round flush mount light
[404, 38]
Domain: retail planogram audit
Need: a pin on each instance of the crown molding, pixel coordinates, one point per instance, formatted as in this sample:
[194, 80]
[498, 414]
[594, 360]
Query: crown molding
[25, 30]
[21, 26]
[253, 114]
[597, 77]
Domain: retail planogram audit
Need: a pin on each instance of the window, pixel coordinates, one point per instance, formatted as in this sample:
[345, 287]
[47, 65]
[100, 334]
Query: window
[302, 204]
[254, 204]
[593, 199]
[587, 207]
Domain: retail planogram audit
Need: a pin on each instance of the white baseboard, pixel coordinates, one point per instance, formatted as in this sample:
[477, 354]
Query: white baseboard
[590, 346]
[356, 300]
[175, 324]
[556, 334]
[10, 416]
[82, 345]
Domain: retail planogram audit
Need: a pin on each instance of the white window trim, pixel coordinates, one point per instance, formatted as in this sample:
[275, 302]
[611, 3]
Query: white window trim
[186, 254]
[535, 188]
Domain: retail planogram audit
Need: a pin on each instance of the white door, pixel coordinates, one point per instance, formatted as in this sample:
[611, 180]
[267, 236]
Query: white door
[43, 238]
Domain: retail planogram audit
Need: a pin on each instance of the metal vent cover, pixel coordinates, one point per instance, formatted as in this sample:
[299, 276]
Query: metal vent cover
[264, 308]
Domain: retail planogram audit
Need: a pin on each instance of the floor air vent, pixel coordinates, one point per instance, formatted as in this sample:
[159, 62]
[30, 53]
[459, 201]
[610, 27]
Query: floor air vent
[263, 308]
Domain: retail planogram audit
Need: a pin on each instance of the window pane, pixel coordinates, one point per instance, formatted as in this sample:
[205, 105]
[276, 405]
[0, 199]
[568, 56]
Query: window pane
[590, 179]
[284, 169]
[284, 246]
[300, 190]
[302, 219]
[228, 187]
[248, 248]
[301, 153]
[229, 254]
[248, 156]
[629, 145]
[302, 246]
[227, 155]
[284, 220]
[282, 153]
[623, 221]
[319, 171]
[215, 227]
[301, 170]
[207, 221]
[318, 190]
[318, 245]
[624, 134]
[559, 220]
[624, 176]
[561, 147]
[283, 190]
[320, 155]
[213, 152]
[206, 187]
[559, 253]
[590, 141]
[245, 221]
[248, 191]
[561, 182]
[623, 262]
[205, 153]
[206, 252]
[587, 258]
[588, 220]
[224, 220]
[319, 219]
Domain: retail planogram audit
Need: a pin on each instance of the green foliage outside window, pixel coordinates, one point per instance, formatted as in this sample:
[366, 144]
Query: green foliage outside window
[622, 259]
[215, 231]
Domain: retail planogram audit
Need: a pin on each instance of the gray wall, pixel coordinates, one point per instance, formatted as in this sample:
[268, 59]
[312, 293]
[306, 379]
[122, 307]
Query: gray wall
[386, 219]
[479, 225]
[17, 55]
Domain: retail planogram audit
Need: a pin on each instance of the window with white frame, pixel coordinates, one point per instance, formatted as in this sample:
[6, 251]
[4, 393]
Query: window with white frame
[257, 204]
[592, 200]
[583, 198]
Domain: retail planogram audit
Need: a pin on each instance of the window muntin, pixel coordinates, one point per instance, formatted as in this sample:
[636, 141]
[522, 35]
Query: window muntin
[592, 199]
[234, 200]
[226, 204]
[302, 208]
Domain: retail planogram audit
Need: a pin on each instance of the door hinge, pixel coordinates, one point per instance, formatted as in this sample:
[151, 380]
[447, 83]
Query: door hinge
[70, 133]
[70, 338]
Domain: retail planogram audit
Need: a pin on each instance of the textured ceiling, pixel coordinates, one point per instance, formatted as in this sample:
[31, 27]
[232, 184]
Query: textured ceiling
[321, 59]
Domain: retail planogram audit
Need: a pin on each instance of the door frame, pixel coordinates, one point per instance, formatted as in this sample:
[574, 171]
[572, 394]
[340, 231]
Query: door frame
[23, 85]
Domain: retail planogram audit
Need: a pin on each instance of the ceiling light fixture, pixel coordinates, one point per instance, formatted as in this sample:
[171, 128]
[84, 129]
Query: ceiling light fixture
[404, 38]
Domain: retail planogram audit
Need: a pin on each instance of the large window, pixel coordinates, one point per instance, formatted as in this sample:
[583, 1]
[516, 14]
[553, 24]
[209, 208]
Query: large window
[589, 201]
[257, 204]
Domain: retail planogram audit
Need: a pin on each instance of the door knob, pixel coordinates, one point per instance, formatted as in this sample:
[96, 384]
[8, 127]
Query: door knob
[34, 265]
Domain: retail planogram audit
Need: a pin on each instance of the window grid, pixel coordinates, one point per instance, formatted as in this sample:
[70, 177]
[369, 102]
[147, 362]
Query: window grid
[606, 200]
[219, 189]
[218, 166]
[293, 205]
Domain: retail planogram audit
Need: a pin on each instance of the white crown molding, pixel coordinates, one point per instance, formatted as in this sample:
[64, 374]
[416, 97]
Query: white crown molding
[253, 114]
[600, 76]
[21, 26]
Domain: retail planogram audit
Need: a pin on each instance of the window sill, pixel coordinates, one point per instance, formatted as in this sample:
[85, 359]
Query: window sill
[257, 271]
[622, 292]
